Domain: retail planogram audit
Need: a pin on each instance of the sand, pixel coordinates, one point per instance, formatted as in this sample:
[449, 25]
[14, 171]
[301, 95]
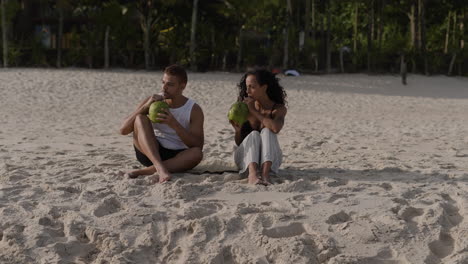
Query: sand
[373, 172]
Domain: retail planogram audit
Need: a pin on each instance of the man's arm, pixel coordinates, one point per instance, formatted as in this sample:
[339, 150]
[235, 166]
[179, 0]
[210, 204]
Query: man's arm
[194, 136]
[143, 108]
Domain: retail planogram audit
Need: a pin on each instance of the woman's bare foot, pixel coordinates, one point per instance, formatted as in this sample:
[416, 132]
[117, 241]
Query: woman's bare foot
[254, 179]
[266, 180]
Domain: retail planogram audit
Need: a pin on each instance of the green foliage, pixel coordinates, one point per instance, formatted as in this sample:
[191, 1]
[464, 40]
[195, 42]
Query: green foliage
[262, 22]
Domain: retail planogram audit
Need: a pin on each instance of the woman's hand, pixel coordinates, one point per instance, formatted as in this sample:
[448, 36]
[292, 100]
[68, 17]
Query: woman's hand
[236, 126]
[250, 103]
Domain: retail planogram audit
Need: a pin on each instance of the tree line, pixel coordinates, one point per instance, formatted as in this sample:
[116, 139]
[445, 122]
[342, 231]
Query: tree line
[320, 36]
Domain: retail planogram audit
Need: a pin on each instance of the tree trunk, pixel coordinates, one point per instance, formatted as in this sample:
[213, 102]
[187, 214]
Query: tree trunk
[328, 69]
[462, 30]
[147, 35]
[307, 24]
[403, 69]
[193, 63]
[381, 23]
[213, 63]
[447, 33]
[4, 35]
[419, 26]
[286, 36]
[60, 38]
[313, 21]
[285, 48]
[454, 34]
[224, 60]
[341, 61]
[239, 51]
[422, 30]
[355, 27]
[412, 19]
[106, 48]
[452, 62]
[369, 38]
[372, 21]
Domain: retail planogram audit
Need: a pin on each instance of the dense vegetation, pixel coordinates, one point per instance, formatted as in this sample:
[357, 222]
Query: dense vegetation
[309, 35]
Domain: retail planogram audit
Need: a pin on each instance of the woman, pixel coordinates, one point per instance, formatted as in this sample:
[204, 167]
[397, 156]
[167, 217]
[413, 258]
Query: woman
[258, 152]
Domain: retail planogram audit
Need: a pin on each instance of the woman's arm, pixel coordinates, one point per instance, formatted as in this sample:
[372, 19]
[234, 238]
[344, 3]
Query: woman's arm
[276, 123]
[237, 133]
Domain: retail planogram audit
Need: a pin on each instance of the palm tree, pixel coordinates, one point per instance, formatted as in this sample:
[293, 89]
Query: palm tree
[193, 64]
[4, 34]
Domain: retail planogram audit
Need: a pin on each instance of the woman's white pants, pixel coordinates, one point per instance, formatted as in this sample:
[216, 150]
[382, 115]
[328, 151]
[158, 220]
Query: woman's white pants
[258, 148]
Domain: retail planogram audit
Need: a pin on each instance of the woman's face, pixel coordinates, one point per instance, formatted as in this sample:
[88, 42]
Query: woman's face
[254, 89]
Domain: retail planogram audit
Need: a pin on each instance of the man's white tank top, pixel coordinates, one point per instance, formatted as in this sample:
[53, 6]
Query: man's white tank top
[167, 136]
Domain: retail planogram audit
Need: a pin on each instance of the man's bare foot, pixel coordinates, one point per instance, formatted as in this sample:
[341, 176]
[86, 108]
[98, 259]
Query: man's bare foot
[164, 175]
[163, 180]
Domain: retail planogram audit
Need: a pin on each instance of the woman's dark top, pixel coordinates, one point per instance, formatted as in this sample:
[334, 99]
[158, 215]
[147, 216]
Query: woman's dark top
[246, 128]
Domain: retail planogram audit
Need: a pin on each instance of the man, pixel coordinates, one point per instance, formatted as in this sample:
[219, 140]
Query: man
[175, 144]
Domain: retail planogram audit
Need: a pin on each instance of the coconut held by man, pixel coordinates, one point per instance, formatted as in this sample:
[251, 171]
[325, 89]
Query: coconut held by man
[156, 108]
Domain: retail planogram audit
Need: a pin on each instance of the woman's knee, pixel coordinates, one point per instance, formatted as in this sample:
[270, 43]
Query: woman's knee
[254, 134]
[266, 132]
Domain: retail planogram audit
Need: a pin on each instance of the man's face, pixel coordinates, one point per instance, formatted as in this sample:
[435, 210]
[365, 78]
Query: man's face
[171, 86]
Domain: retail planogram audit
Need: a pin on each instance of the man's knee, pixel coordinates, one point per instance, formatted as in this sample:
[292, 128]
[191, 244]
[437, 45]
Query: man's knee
[140, 118]
[197, 154]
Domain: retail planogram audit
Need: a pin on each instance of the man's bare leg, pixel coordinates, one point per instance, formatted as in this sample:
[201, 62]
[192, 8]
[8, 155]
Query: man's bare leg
[145, 141]
[266, 168]
[185, 160]
[253, 175]
[146, 171]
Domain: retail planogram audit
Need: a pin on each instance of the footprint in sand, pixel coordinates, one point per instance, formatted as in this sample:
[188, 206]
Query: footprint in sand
[338, 218]
[336, 197]
[201, 209]
[108, 206]
[408, 213]
[291, 230]
[337, 182]
[442, 247]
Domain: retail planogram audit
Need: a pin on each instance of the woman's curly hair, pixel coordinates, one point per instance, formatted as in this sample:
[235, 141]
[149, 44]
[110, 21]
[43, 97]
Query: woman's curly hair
[275, 91]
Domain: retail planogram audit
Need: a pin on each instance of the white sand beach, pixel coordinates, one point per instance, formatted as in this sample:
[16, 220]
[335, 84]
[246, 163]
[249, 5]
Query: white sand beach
[373, 172]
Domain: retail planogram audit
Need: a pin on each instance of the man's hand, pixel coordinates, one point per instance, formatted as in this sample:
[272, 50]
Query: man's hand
[152, 99]
[167, 118]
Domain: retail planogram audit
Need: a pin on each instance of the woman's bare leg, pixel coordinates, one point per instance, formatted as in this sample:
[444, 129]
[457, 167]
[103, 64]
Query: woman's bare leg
[266, 168]
[253, 175]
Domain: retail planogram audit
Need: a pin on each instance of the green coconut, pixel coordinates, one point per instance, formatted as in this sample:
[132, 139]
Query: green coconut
[238, 113]
[156, 108]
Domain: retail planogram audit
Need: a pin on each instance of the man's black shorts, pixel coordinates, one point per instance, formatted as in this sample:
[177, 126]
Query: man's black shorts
[163, 152]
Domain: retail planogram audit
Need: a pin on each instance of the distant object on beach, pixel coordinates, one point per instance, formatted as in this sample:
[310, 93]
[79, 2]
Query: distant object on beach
[291, 73]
